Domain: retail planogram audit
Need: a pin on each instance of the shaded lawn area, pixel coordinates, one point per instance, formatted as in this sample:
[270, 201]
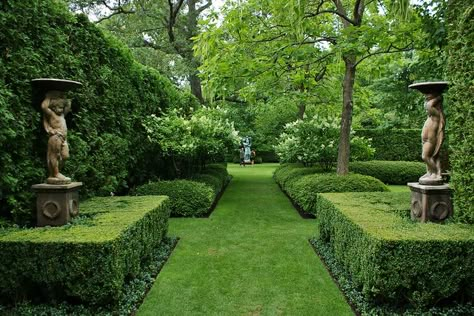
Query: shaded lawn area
[251, 257]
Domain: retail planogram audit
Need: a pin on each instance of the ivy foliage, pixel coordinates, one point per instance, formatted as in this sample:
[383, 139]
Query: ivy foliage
[109, 151]
[461, 113]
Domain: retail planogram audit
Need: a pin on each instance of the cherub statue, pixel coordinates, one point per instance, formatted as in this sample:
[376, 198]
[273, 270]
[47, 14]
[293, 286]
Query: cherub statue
[432, 137]
[55, 107]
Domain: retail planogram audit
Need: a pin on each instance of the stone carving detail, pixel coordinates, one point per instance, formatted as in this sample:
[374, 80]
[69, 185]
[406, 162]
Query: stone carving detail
[73, 207]
[51, 209]
[416, 209]
[439, 211]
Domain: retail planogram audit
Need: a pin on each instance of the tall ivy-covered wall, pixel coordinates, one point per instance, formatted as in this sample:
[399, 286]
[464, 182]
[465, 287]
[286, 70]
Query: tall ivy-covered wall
[461, 100]
[40, 39]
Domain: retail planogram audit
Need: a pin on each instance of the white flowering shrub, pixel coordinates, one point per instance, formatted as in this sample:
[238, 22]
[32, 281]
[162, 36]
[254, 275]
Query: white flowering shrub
[315, 140]
[203, 134]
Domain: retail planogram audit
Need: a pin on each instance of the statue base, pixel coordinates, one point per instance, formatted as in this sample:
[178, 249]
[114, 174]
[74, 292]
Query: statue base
[56, 204]
[430, 203]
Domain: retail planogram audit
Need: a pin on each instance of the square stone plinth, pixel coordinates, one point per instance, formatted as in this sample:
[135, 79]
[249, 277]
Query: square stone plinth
[56, 204]
[430, 202]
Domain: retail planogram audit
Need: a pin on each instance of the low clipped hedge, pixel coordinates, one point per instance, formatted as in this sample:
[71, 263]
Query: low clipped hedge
[219, 171]
[304, 191]
[390, 172]
[88, 261]
[303, 184]
[391, 259]
[212, 181]
[187, 197]
[288, 172]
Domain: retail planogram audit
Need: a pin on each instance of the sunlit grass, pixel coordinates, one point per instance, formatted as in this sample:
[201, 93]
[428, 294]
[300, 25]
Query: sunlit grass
[251, 257]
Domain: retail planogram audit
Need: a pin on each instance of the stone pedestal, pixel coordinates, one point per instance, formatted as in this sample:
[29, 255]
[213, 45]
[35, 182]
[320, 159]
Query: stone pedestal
[430, 202]
[56, 204]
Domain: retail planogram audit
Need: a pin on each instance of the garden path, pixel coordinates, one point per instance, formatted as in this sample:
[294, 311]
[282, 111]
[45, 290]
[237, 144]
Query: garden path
[250, 257]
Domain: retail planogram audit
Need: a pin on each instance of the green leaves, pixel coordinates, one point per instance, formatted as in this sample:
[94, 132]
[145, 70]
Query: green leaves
[204, 134]
[315, 140]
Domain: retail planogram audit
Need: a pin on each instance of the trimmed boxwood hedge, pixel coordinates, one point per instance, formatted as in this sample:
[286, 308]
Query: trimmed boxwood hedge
[88, 261]
[304, 191]
[392, 259]
[219, 171]
[187, 198]
[390, 172]
[288, 172]
[303, 184]
[212, 181]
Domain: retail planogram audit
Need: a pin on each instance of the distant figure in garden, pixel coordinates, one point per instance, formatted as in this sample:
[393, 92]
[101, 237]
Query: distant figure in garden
[252, 156]
[242, 156]
[55, 107]
[432, 136]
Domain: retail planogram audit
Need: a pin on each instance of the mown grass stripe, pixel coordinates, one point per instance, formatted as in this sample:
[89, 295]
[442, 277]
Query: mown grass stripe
[251, 257]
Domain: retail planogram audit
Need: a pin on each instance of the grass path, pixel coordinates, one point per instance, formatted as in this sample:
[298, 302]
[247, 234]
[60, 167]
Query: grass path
[251, 257]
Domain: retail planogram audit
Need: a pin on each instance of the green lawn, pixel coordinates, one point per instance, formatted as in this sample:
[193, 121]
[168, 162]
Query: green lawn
[251, 257]
[399, 188]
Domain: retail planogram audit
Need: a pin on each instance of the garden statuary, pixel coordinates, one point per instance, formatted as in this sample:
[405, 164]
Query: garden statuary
[55, 107]
[247, 143]
[431, 198]
[57, 199]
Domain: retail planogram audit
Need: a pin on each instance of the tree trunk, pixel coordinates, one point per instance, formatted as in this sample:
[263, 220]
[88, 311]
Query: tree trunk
[301, 110]
[191, 25]
[195, 83]
[346, 117]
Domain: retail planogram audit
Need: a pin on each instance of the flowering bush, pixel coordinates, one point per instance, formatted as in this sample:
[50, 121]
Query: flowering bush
[193, 137]
[315, 140]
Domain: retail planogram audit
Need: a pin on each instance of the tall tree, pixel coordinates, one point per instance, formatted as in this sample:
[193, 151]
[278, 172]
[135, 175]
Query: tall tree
[352, 30]
[166, 26]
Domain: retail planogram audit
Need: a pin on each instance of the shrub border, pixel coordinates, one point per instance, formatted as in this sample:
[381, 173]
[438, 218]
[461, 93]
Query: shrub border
[146, 279]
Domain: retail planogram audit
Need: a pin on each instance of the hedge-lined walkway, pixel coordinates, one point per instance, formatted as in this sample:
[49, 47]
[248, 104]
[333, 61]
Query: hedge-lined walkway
[251, 257]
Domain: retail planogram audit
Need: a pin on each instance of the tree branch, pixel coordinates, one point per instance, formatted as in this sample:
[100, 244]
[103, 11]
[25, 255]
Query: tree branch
[115, 11]
[389, 50]
[204, 7]
[344, 17]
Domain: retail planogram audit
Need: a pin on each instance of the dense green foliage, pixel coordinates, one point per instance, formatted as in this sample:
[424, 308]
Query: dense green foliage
[109, 151]
[198, 138]
[392, 259]
[461, 100]
[356, 298]
[285, 173]
[219, 171]
[303, 185]
[315, 140]
[187, 198]
[305, 190]
[87, 261]
[132, 295]
[390, 172]
[212, 181]
[394, 144]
